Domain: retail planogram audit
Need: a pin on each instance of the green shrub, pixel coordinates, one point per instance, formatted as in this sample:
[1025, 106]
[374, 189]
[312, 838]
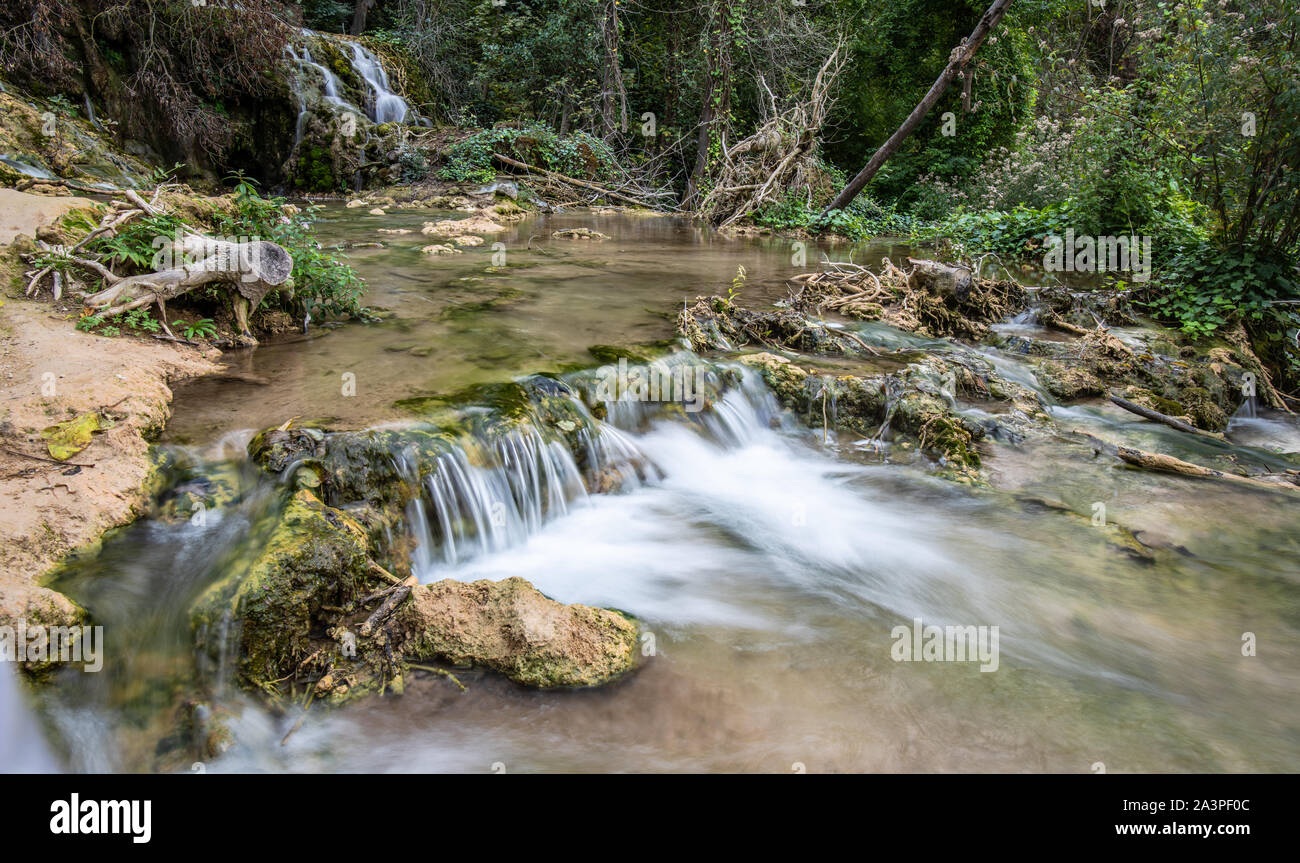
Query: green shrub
[863, 218]
[1202, 288]
[413, 164]
[331, 287]
[578, 155]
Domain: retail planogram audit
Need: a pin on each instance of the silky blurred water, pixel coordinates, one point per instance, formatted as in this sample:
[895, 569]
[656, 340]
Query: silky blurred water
[769, 563]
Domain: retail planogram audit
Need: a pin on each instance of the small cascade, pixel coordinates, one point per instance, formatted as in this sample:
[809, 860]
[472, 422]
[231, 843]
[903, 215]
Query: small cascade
[330, 85]
[494, 491]
[487, 496]
[384, 105]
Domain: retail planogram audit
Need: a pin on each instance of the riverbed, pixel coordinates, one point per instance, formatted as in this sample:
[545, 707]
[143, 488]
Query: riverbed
[770, 563]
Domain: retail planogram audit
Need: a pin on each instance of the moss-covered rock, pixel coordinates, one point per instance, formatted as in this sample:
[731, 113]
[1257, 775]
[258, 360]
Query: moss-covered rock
[510, 627]
[315, 557]
[908, 404]
[316, 601]
[1069, 382]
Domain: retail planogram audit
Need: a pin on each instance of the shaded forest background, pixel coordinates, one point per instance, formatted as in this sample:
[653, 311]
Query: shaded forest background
[1165, 118]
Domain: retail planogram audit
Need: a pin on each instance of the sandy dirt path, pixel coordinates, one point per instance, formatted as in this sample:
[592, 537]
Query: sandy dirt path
[51, 372]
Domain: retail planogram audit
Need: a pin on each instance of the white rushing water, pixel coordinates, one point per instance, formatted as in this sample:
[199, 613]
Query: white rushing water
[385, 105]
[711, 512]
[382, 105]
[22, 746]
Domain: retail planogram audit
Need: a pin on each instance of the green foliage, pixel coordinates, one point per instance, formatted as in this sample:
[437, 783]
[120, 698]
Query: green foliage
[578, 155]
[60, 103]
[98, 325]
[203, 328]
[1224, 95]
[140, 319]
[415, 167]
[1202, 288]
[327, 14]
[897, 50]
[138, 242]
[864, 217]
[737, 284]
[330, 286]
[1016, 233]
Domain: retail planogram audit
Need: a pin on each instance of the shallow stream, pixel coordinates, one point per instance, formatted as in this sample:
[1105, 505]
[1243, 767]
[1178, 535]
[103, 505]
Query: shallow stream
[770, 561]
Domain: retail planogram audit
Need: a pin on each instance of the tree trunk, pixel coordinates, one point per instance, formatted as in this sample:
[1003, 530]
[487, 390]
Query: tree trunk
[716, 111]
[957, 61]
[251, 270]
[612, 74]
[944, 280]
[359, 12]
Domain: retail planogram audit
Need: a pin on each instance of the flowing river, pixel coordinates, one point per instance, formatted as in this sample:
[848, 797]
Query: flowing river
[770, 562]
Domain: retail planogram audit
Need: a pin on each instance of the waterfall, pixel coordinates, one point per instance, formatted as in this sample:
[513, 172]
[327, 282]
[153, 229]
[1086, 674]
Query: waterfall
[385, 105]
[329, 89]
[330, 85]
[382, 104]
[489, 496]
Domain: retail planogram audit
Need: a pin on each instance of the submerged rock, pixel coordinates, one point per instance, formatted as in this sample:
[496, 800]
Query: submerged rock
[579, 234]
[511, 627]
[461, 227]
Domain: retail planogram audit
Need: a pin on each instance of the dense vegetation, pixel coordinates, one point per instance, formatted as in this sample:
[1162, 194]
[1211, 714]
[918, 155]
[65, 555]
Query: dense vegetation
[1173, 119]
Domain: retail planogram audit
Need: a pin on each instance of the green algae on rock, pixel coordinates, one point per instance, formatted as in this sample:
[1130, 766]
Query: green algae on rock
[318, 602]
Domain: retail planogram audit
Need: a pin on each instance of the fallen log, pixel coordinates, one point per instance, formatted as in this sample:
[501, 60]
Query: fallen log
[944, 280]
[609, 193]
[957, 63]
[1054, 321]
[1156, 416]
[252, 269]
[1160, 463]
[1169, 464]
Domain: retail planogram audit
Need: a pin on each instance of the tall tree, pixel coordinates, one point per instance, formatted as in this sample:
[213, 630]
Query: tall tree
[359, 12]
[611, 87]
[715, 113]
[957, 60]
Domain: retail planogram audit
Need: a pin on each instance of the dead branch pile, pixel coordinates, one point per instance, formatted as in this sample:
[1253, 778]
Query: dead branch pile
[930, 298]
[248, 268]
[781, 155]
[570, 190]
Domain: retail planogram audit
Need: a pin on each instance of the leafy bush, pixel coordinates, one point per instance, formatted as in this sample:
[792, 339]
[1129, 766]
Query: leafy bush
[331, 287]
[134, 244]
[413, 164]
[863, 218]
[578, 155]
[1016, 233]
[1202, 288]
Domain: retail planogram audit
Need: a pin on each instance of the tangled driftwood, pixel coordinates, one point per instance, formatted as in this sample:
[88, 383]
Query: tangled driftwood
[779, 156]
[250, 268]
[938, 298]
